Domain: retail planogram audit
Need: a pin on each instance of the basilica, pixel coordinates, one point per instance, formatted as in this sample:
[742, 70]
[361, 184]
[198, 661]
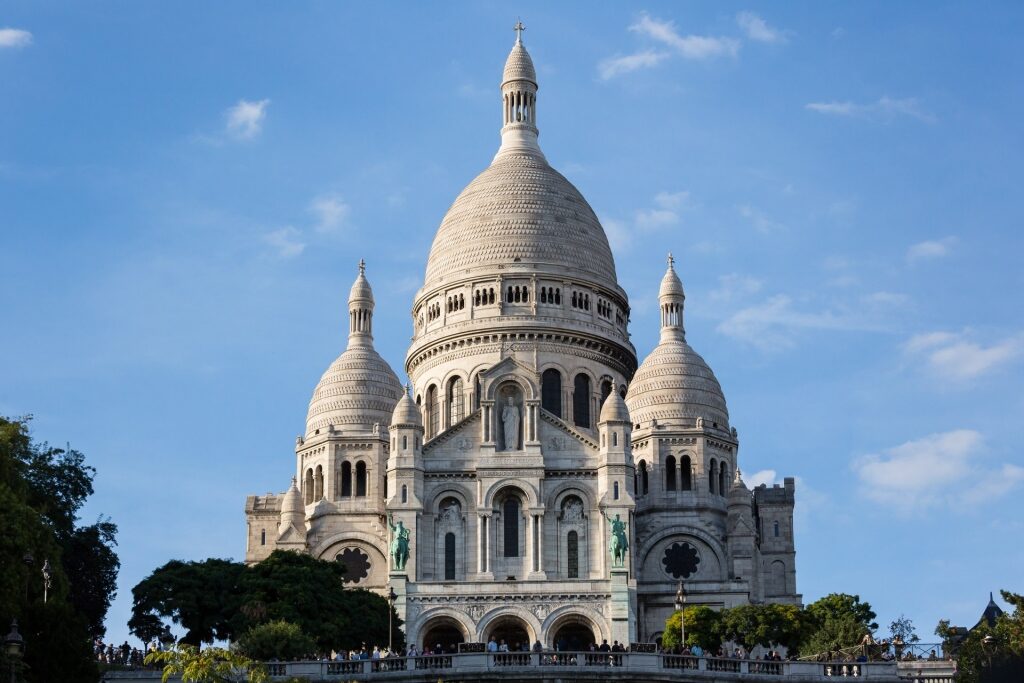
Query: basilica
[531, 481]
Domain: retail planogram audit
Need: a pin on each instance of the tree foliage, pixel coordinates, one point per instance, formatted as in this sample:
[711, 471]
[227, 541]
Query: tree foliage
[703, 627]
[1001, 657]
[209, 665]
[277, 640]
[220, 599]
[42, 490]
[903, 628]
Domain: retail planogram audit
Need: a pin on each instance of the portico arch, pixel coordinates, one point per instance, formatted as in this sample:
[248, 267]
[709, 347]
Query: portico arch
[444, 626]
[511, 624]
[571, 620]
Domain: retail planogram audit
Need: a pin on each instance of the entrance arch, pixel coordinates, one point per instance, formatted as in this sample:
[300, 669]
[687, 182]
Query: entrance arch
[444, 631]
[511, 629]
[574, 636]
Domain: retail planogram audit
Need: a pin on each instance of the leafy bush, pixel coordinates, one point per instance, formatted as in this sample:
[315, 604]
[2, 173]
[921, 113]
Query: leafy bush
[278, 640]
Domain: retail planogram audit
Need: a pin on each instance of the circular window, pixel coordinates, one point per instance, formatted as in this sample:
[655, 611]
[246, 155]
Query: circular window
[357, 564]
[680, 560]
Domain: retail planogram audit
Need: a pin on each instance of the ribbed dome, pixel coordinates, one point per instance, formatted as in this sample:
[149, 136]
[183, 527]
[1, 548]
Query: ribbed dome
[520, 210]
[361, 291]
[519, 66]
[671, 285]
[358, 390]
[406, 412]
[614, 408]
[674, 385]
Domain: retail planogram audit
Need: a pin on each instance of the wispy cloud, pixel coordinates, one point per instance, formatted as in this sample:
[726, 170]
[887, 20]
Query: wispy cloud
[931, 249]
[616, 66]
[14, 38]
[286, 242]
[939, 468]
[766, 477]
[690, 46]
[734, 287]
[885, 109]
[331, 213]
[761, 222]
[664, 213]
[245, 119]
[955, 356]
[772, 325]
[757, 29]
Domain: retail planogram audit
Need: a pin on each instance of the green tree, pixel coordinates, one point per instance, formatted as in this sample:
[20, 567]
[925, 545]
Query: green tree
[837, 621]
[703, 627]
[210, 665]
[278, 640]
[1002, 654]
[203, 597]
[903, 628]
[842, 605]
[42, 490]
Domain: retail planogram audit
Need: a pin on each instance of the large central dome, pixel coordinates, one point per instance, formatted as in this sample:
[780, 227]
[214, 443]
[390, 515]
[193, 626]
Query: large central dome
[520, 210]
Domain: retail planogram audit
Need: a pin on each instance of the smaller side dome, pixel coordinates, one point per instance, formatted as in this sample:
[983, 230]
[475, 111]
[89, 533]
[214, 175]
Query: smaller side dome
[739, 494]
[614, 408]
[361, 293]
[519, 65]
[406, 412]
[292, 510]
[671, 285]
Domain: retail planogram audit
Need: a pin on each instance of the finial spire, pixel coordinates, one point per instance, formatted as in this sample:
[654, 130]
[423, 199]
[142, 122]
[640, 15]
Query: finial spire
[671, 261]
[519, 28]
[362, 267]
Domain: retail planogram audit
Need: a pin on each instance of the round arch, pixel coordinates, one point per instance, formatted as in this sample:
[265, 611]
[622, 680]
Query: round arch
[525, 488]
[682, 532]
[451, 491]
[559, 492]
[573, 614]
[530, 391]
[508, 619]
[443, 617]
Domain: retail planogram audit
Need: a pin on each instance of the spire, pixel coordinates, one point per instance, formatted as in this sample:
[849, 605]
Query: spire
[519, 100]
[671, 298]
[360, 310]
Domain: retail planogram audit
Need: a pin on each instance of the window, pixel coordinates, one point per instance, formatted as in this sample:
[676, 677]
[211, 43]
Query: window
[456, 398]
[318, 483]
[685, 473]
[263, 534]
[433, 414]
[581, 401]
[510, 512]
[712, 475]
[449, 556]
[606, 390]
[551, 392]
[643, 477]
[670, 473]
[405, 443]
[307, 487]
[346, 479]
[573, 555]
[405, 493]
[360, 478]
[615, 491]
[723, 480]
[775, 528]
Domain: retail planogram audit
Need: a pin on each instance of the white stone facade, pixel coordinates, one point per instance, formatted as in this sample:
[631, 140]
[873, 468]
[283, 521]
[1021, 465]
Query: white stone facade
[517, 442]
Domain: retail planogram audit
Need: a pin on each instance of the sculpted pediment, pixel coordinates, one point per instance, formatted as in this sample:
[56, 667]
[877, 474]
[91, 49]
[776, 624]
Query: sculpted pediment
[461, 439]
[558, 438]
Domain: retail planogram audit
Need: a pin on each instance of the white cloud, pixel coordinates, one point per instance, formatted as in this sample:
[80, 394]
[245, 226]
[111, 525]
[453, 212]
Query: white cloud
[954, 356]
[689, 47]
[665, 212]
[758, 29]
[14, 37]
[773, 325]
[286, 242]
[619, 236]
[616, 66]
[886, 299]
[759, 220]
[931, 249]
[943, 468]
[331, 213]
[885, 109]
[766, 477]
[733, 287]
[245, 119]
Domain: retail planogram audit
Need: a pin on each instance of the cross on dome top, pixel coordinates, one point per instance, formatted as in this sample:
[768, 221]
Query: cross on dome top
[671, 261]
[362, 267]
[519, 28]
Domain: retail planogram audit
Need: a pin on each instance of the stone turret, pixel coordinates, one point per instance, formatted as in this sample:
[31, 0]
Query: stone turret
[291, 531]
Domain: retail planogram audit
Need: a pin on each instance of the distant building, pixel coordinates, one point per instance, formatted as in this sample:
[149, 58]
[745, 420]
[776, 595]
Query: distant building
[529, 427]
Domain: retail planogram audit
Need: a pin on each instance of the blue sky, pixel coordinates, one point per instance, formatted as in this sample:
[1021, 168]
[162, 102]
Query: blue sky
[185, 190]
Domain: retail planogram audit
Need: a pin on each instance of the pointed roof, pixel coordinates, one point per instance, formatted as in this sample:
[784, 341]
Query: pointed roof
[361, 291]
[519, 65]
[991, 614]
[671, 285]
[614, 408]
[407, 413]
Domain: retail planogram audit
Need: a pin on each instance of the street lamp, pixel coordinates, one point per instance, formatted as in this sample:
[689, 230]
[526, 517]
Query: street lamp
[391, 610]
[47, 580]
[14, 645]
[988, 645]
[680, 603]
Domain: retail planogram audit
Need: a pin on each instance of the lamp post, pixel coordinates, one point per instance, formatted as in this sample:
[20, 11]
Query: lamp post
[47, 580]
[391, 610]
[988, 645]
[680, 603]
[14, 645]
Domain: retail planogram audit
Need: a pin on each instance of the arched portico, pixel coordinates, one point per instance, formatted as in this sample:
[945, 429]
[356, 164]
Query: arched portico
[442, 626]
[569, 628]
[511, 624]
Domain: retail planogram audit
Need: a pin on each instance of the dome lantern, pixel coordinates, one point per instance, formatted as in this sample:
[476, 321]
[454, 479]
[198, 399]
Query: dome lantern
[671, 297]
[360, 310]
[519, 100]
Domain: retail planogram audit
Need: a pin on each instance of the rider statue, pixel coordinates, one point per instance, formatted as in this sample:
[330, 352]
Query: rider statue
[619, 542]
[399, 543]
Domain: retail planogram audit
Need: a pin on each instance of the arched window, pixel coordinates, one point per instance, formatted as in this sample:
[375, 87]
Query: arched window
[723, 480]
[307, 487]
[572, 554]
[551, 391]
[615, 438]
[508, 298]
[263, 534]
[405, 493]
[775, 528]
[712, 475]
[433, 414]
[606, 390]
[510, 512]
[318, 483]
[346, 479]
[456, 399]
[581, 401]
[449, 556]
[670, 473]
[477, 388]
[643, 477]
[405, 442]
[360, 478]
[685, 474]
[615, 491]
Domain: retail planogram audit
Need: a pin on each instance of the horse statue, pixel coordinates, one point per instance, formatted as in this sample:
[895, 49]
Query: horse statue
[619, 542]
[399, 543]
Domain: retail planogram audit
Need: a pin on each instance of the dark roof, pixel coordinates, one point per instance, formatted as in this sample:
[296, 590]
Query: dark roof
[991, 613]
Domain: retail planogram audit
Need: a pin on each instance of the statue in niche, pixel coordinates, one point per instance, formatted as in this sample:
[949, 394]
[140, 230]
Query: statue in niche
[400, 543]
[451, 514]
[510, 424]
[619, 542]
[573, 511]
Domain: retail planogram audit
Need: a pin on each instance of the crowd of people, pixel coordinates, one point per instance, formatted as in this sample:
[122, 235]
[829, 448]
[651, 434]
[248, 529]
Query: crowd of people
[117, 655]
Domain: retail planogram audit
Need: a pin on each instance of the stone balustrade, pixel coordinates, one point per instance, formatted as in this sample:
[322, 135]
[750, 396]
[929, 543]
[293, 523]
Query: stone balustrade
[586, 666]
